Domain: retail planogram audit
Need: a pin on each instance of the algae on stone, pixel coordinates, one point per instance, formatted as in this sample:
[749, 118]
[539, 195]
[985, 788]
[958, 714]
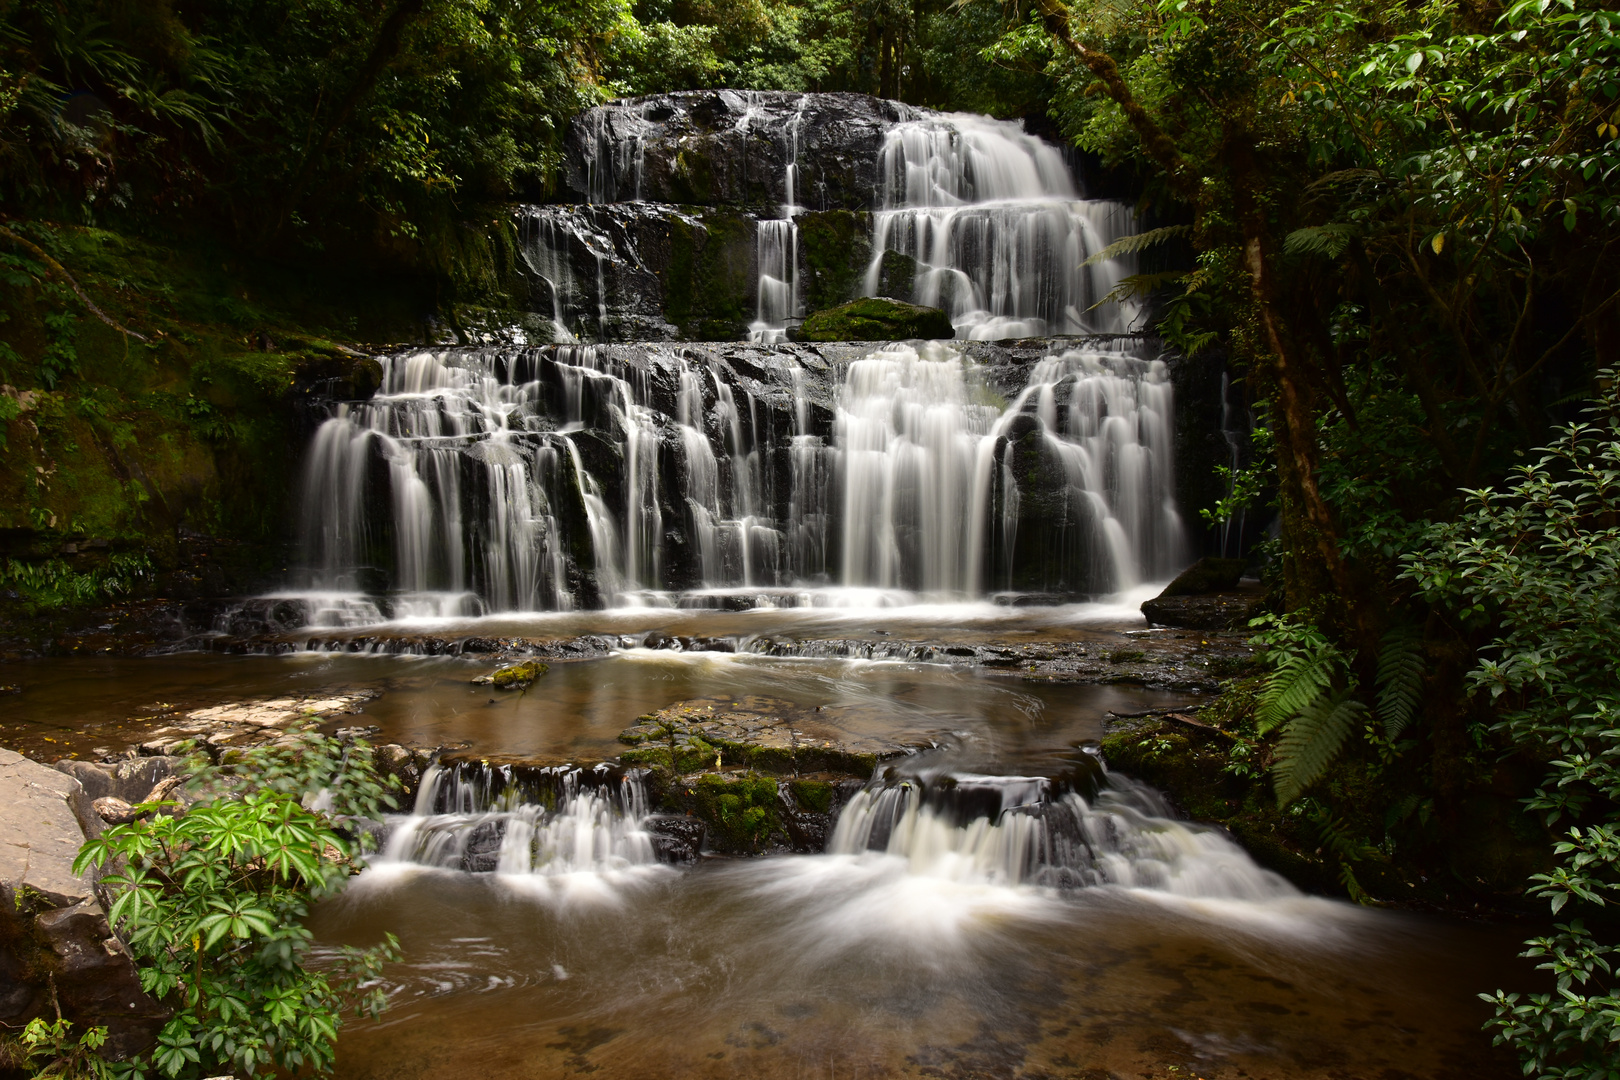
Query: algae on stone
[876, 318]
[518, 676]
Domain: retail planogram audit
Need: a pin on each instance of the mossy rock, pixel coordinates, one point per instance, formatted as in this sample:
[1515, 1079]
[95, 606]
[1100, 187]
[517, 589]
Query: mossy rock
[741, 812]
[518, 676]
[876, 318]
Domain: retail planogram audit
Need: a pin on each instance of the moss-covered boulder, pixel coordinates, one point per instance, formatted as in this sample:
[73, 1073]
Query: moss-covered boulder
[518, 676]
[876, 318]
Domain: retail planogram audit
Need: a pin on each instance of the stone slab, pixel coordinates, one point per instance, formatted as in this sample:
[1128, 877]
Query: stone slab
[40, 834]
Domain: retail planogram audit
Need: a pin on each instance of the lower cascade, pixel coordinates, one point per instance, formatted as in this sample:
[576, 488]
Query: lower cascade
[554, 477]
[998, 830]
[545, 821]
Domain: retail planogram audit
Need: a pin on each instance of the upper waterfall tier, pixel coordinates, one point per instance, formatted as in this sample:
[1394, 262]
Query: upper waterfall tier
[730, 148]
[726, 214]
[543, 478]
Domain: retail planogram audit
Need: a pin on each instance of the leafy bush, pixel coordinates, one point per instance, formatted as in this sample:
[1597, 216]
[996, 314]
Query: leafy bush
[1539, 559]
[212, 901]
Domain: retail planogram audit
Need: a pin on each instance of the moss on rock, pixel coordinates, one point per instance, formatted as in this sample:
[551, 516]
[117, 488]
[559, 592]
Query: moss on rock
[876, 318]
[518, 676]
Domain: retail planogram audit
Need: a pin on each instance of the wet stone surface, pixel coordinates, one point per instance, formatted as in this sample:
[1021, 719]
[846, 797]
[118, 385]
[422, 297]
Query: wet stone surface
[760, 733]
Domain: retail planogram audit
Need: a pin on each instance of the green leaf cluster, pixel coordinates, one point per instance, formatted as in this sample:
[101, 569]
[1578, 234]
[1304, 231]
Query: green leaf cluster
[1539, 558]
[212, 900]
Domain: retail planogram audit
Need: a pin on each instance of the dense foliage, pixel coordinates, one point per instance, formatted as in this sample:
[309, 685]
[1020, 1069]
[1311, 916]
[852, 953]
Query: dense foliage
[1402, 222]
[212, 900]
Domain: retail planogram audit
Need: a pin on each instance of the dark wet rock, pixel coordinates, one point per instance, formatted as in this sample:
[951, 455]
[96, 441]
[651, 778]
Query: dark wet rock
[1208, 595]
[54, 937]
[1211, 574]
[730, 148]
[1207, 611]
[676, 838]
[876, 318]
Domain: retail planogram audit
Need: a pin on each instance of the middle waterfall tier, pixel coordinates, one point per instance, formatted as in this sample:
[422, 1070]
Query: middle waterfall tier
[499, 479]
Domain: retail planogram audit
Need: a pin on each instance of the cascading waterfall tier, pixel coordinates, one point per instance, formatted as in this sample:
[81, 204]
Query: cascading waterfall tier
[1014, 830]
[543, 822]
[730, 214]
[988, 222]
[515, 819]
[546, 478]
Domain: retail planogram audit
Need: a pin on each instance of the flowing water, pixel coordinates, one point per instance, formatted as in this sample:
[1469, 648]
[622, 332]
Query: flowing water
[879, 535]
[960, 924]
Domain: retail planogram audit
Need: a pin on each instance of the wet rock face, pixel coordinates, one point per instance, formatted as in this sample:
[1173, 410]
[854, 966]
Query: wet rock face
[730, 148]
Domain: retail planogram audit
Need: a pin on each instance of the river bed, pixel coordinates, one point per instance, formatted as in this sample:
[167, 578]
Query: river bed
[928, 957]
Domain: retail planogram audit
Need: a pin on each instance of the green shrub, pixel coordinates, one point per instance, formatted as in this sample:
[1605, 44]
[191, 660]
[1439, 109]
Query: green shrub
[212, 901]
[1539, 562]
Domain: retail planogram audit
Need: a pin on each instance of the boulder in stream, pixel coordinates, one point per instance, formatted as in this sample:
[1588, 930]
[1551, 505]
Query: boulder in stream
[1209, 595]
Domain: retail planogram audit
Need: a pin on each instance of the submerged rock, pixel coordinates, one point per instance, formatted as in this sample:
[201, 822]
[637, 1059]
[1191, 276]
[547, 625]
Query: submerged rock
[876, 318]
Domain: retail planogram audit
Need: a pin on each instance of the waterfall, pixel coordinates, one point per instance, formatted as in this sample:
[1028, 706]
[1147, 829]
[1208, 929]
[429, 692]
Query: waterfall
[993, 230]
[1013, 830]
[778, 247]
[926, 456]
[545, 478]
[528, 820]
[909, 441]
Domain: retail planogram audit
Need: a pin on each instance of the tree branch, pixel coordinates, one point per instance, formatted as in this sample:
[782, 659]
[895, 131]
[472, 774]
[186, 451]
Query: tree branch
[61, 271]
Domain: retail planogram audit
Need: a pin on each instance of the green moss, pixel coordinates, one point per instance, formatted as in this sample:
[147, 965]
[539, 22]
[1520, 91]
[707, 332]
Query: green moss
[812, 795]
[741, 812]
[835, 245]
[519, 675]
[876, 318]
[114, 445]
[709, 289]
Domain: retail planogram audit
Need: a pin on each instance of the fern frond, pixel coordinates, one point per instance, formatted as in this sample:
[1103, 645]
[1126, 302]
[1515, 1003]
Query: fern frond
[1137, 286]
[1311, 741]
[1339, 178]
[1299, 681]
[1130, 245]
[1329, 240]
[1400, 679]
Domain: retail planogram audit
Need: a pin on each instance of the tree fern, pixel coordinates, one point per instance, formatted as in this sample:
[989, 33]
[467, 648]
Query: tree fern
[1329, 240]
[1138, 285]
[1299, 680]
[1312, 740]
[1400, 679]
[1130, 245]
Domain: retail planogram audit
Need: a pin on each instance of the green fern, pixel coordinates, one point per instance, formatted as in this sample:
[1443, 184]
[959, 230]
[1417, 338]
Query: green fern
[1138, 285]
[1329, 240]
[1130, 245]
[1312, 740]
[1400, 679]
[1299, 681]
